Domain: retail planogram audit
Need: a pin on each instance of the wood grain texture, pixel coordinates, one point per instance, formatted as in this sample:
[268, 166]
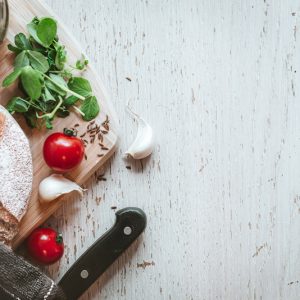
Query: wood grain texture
[21, 12]
[219, 82]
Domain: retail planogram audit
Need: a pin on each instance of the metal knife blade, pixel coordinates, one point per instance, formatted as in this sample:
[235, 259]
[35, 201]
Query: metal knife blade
[4, 17]
[130, 223]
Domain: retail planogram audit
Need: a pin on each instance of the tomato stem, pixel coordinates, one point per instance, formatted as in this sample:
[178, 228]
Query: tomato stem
[59, 239]
[69, 132]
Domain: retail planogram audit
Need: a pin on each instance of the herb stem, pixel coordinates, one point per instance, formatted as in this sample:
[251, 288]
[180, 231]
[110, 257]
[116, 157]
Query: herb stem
[78, 110]
[32, 104]
[64, 88]
[52, 114]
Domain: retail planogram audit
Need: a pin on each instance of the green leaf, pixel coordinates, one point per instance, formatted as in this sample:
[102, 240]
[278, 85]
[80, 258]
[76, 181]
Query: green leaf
[38, 61]
[32, 29]
[81, 63]
[21, 60]
[51, 57]
[61, 57]
[80, 86]
[46, 31]
[48, 122]
[62, 112]
[22, 42]
[11, 77]
[59, 80]
[32, 82]
[90, 108]
[31, 118]
[55, 85]
[14, 49]
[17, 104]
[47, 96]
[71, 100]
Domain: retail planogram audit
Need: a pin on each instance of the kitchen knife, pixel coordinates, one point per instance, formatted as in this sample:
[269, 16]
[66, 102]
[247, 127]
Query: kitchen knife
[130, 223]
[3, 18]
[20, 280]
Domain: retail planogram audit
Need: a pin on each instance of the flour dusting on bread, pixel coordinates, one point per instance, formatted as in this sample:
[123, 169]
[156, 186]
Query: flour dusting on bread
[15, 175]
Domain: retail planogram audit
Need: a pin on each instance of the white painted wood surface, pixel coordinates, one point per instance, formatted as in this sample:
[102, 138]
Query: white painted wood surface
[219, 82]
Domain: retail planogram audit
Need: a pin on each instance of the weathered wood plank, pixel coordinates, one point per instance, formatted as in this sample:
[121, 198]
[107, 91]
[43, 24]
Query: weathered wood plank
[218, 80]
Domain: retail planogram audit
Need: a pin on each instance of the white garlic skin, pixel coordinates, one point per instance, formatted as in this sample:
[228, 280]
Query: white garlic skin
[143, 144]
[56, 185]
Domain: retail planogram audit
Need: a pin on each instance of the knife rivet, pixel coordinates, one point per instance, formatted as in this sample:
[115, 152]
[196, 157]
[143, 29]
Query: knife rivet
[84, 274]
[127, 230]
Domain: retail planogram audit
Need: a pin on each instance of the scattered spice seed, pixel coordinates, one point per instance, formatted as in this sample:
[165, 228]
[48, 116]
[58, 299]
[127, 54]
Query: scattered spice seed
[128, 78]
[104, 148]
[100, 137]
[104, 131]
[106, 126]
[128, 167]
[85, 156]
[101, 179]
[113, 207]
[100, 155]
[76, 125]
[83, 135]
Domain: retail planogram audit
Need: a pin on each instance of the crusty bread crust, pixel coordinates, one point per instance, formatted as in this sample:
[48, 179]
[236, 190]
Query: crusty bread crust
[2, 121]
[15, 175]
[9, 226]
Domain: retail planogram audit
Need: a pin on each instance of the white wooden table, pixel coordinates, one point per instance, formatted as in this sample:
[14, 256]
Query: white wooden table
[219, 82]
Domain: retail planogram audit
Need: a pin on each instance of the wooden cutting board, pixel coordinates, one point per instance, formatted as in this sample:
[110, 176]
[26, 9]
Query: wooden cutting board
[21, 13]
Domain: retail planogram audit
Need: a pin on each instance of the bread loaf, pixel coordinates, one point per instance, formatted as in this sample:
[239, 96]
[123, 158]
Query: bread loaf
[15, 175]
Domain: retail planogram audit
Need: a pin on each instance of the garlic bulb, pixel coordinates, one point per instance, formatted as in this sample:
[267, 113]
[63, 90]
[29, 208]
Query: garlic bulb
[143, 144]
[56, 185]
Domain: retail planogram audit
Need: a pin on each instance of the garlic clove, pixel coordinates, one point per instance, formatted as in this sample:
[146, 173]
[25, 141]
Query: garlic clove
[143, 143]
[56, 185]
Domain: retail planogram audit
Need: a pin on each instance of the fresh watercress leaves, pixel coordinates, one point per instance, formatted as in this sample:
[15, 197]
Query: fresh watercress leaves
[17, 104]
[14, 49]
[22, 42]
[32, 82]
[81, 63]
[80, 86]
[46, 31]
[11, 77]
[47, 96]
[31, 118]
[49, 86]
[63, 112]
[38, 61]
[60, 57]
[90, 108]
[21, 60]
[71, 100]
[57, 84]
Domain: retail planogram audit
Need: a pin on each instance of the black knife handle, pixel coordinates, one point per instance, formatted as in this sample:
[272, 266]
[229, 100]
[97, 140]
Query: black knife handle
[130, 223]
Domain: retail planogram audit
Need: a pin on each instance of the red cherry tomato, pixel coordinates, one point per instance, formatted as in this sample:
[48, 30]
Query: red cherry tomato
[63, 151]
[45, 245]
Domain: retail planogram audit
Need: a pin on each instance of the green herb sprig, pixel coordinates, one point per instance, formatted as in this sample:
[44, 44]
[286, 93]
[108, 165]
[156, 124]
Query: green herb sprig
[49, 85]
